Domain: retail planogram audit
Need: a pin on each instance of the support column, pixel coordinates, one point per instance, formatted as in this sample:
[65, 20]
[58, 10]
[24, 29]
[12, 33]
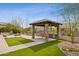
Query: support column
[46, 32]
[33, 31]
[58, 32]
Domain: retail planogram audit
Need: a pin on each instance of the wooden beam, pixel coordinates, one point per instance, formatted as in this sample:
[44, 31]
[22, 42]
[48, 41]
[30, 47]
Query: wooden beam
[46, 32]
[33, 31]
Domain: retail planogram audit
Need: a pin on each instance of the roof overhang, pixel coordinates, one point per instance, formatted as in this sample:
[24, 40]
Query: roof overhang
[45, 21]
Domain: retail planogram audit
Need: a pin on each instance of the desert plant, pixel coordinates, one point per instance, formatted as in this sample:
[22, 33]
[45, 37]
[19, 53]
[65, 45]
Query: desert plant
[4, 35]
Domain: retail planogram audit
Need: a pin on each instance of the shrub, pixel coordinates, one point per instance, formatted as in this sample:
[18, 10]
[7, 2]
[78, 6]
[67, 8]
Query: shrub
[4, 35]
[71, 49]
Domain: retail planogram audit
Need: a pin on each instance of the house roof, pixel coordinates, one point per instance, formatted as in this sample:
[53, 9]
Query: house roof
[45, 21]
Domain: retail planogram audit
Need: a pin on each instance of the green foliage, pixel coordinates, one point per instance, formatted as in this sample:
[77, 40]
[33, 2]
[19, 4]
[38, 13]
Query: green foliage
[68, 34]
[17, 30]
[2, 30]
[11, 27]
[6, 28]
[17, 25]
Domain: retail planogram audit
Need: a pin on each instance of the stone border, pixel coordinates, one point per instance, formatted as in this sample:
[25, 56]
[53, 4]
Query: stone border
[67, 52]
[61, 49]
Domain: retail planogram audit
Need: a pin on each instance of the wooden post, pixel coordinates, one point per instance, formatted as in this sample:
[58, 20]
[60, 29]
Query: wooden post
[46, 32]
[33, 31]
[58, 32]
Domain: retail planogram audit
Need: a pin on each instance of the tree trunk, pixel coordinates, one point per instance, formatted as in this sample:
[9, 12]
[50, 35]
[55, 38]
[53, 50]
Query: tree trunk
[72, 37]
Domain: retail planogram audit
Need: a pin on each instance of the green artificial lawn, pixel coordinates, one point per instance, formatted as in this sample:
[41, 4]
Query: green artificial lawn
[45, 49]
[17, 41]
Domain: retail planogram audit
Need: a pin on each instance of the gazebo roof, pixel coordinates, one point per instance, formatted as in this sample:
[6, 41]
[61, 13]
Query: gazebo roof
[45, 21]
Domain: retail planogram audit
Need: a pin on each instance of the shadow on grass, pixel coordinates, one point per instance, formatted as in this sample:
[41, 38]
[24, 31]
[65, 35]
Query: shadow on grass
[44, 45]
[25, 41]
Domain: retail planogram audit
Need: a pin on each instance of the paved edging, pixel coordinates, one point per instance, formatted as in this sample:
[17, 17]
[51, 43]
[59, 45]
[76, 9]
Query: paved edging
[21, 46]
[14, 48]
[3, 43]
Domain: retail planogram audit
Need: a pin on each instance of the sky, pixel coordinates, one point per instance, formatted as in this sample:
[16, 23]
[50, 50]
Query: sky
[29, 12]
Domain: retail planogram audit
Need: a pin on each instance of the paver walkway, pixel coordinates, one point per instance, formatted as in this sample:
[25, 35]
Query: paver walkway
[3, 44]
[5, 48]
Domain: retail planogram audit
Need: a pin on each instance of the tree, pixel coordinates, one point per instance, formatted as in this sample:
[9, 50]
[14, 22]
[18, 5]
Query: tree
[6, 28]
[17, 25]
[70, 16]
[9, 27]
[19, 21]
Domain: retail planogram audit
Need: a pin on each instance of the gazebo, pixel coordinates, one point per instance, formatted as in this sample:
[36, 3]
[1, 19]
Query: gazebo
[45, 23]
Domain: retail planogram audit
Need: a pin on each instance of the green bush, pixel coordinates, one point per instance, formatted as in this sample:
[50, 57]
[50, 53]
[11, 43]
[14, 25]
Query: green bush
[68, 34]
[17, 30]
[11, 27]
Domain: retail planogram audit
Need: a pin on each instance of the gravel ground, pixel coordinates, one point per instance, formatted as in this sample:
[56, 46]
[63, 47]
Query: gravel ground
[67, 46]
